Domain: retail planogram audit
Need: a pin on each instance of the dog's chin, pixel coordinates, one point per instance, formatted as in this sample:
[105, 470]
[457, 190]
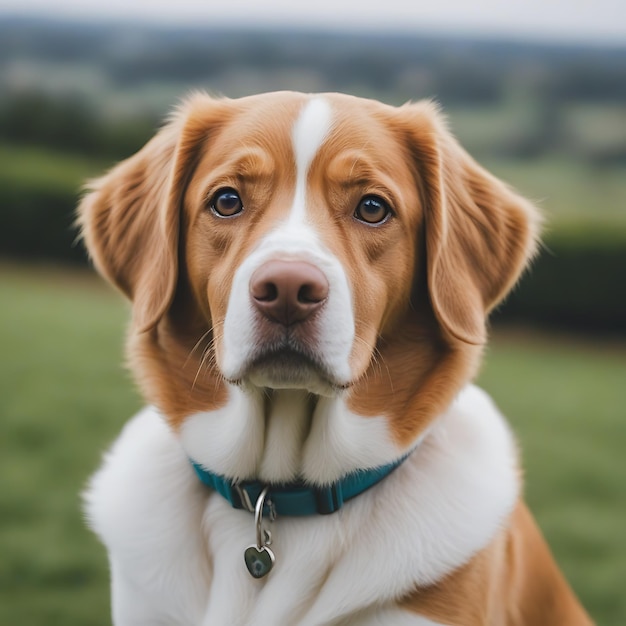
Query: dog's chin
[289, 369]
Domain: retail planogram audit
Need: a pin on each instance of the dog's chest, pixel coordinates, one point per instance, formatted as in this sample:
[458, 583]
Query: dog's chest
[177, 549]
[325, 573]
[325, 568]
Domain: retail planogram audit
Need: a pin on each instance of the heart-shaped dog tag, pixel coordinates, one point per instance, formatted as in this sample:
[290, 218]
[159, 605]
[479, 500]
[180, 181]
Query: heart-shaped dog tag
[259, 561]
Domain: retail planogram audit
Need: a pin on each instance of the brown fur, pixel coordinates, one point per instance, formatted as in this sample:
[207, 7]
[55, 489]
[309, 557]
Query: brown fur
[512, 582]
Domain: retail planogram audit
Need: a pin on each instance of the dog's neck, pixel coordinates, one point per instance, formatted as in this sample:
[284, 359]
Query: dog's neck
[285, 435]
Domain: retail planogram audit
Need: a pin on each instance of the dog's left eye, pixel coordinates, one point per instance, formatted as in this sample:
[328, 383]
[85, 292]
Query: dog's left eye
[226, 203]
[372, 210]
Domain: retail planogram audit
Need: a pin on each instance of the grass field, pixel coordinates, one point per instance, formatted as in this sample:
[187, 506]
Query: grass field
[64, 396]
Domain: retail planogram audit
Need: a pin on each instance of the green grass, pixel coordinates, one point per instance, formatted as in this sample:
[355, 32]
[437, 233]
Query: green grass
[64, 396]
[565, 400]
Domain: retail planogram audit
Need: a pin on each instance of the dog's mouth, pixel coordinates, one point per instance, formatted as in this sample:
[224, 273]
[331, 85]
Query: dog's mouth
[290, 367]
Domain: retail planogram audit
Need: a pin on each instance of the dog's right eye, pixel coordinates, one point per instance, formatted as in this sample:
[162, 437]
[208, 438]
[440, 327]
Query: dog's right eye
[226, 203]
[372, 211]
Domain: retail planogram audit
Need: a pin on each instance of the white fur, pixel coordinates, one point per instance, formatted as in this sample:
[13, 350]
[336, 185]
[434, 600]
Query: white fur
[295, 239]
[341, 442]
[308, 136]
[322, 445]
[176, 549]
[142, 502]
[230, 440]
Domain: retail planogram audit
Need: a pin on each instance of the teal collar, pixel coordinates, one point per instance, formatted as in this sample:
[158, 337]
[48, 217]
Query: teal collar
[298, 498]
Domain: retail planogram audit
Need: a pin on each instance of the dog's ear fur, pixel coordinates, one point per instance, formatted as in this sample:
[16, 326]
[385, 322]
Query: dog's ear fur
[479, 234]
[130, 217]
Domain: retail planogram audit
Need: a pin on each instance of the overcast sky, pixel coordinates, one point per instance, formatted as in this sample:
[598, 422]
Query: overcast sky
[600, 21]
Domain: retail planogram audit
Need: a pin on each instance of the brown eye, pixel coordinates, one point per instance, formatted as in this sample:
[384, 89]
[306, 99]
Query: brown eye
[226, 203]
[372, 210]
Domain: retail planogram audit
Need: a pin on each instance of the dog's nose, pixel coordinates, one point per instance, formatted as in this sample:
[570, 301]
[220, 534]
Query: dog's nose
[288, 291]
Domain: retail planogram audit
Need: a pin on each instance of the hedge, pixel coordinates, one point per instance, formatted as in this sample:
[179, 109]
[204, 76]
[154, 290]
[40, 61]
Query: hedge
[577, 282]
[39, 190]
[37, 225]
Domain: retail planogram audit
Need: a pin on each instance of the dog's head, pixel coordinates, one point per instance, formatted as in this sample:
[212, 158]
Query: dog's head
[325, 243]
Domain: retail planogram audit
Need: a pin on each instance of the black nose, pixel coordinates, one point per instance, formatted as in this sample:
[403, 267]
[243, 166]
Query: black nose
[288, 292]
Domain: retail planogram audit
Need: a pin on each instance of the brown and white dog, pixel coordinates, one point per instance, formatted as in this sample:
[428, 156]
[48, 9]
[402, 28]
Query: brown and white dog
[310, 277]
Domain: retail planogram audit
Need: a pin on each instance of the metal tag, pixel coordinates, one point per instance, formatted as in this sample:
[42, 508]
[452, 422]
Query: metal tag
[259, 558]
[259, 561]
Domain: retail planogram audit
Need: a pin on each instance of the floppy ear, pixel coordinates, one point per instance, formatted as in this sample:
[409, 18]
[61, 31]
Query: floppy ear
[130, 217]
[479, 234]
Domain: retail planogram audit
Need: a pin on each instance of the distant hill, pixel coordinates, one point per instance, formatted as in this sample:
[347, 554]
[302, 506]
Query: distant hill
[153, 64]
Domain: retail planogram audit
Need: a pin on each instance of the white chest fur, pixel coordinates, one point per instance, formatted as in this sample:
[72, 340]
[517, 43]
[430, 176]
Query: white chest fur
[176, 549]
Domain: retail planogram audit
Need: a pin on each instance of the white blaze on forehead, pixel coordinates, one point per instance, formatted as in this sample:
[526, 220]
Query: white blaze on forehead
[309, 133]
[295, 238]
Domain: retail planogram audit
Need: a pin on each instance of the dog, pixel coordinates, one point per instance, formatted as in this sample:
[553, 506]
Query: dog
[310, 278]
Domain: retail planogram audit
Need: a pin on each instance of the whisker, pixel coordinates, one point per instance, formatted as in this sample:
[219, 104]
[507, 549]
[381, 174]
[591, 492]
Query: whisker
[207, 358]
[373, 350]
[377, 359]
[196, 345]
[207, 361]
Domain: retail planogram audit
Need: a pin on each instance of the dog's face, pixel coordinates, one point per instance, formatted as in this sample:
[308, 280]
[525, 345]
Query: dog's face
[301, 241]
[323, 243]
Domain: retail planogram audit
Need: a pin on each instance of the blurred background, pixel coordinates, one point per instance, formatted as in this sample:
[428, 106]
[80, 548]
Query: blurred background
[535, 90]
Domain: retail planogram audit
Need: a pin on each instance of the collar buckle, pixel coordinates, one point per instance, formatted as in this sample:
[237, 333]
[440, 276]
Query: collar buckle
[244, 497]
[329, 499]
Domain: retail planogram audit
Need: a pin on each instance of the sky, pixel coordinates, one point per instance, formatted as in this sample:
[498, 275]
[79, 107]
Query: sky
[584, 21]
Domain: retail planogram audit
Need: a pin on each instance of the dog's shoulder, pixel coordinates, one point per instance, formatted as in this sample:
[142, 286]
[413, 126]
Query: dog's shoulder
[141, 473]
[146, 507]
[513, 581]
